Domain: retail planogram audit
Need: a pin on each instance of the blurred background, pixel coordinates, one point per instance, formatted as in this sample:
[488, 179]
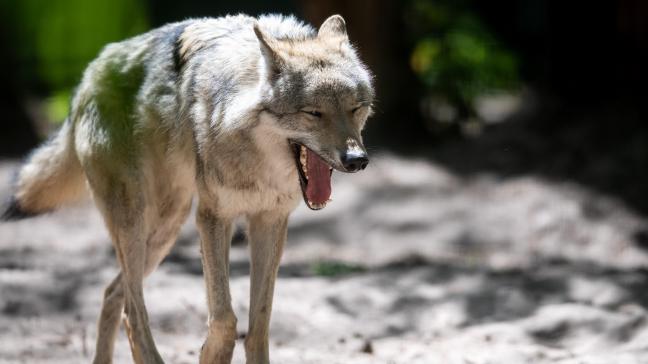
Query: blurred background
[502, 219]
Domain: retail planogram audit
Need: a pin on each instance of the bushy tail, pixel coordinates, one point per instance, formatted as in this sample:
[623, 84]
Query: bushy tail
[51, 176]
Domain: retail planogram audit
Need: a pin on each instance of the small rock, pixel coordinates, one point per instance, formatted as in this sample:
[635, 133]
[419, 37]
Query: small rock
[367, 348]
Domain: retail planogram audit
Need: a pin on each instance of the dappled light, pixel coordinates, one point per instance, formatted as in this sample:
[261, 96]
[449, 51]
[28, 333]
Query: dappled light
[501, 218]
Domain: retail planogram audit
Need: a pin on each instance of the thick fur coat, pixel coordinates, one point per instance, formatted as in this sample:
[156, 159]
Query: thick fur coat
[247, 114]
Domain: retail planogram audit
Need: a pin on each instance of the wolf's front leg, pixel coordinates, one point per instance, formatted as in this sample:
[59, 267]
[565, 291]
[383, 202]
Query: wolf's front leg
[267, 238]
[215, 236]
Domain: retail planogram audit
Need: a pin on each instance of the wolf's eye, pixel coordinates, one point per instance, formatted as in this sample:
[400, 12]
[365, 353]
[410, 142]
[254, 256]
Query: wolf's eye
[314, 113]
[363, 104]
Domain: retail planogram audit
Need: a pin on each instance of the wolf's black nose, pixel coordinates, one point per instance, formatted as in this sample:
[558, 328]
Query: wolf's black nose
[354, 161]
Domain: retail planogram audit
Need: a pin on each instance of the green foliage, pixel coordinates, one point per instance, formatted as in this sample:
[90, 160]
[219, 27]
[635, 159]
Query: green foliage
[334, 269]
[64, 35]
[57, 106]
[456, 55]
[55, 40]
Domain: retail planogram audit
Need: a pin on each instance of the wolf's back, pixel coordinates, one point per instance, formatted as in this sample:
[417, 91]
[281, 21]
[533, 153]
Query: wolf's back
[51, 176]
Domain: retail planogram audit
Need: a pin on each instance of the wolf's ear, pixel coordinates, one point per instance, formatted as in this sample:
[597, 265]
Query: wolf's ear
[268, 45]
[333, 27]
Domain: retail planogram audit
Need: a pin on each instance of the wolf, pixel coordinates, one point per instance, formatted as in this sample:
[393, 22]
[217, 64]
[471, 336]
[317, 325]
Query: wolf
[248, 115]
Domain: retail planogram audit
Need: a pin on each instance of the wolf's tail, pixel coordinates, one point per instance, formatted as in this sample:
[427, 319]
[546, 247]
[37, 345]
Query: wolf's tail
[51, 176]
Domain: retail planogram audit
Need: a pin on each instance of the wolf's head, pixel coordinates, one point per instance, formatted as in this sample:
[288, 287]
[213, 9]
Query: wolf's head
[320, 96]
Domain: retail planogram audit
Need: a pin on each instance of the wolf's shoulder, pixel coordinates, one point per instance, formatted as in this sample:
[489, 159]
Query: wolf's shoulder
[208, 29]
[286, 27]
[277, 25]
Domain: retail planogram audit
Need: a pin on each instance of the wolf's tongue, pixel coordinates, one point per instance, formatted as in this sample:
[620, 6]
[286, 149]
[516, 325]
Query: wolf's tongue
[318, 189]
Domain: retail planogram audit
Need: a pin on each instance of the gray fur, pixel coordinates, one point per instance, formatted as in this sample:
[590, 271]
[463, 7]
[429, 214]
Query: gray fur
[206, 107]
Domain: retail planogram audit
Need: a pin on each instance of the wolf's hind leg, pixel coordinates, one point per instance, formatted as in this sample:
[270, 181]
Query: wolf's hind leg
[111, 311]
[131, 248]
[161, 241]
[122, 204]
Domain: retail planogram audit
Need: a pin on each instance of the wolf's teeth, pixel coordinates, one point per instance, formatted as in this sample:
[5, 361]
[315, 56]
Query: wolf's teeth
[317, 206]
[303, 159]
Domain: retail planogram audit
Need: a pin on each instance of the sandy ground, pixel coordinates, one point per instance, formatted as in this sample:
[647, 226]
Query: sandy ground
[436, 269]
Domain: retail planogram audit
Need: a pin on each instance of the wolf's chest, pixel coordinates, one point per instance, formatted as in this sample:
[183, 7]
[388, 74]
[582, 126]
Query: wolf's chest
[254, 170]
[259, 182]
[264, 192]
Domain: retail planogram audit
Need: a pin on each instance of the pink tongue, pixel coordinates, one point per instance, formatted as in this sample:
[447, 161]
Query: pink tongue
[318, 189]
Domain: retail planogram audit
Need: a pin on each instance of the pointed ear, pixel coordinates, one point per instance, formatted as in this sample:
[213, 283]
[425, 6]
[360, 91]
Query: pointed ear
[268, 46]
[333, 27]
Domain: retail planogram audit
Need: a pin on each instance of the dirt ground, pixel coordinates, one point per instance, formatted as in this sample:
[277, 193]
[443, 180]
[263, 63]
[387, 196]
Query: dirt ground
[409, 264]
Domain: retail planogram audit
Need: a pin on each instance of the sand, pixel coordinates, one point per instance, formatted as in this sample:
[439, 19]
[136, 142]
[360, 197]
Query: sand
[409, 264]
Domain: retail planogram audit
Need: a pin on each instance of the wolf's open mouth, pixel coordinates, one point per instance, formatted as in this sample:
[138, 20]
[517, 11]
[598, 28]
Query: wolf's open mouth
[314, 177]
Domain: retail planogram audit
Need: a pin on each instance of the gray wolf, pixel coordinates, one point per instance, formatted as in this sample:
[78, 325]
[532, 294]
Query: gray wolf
[248, 114]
